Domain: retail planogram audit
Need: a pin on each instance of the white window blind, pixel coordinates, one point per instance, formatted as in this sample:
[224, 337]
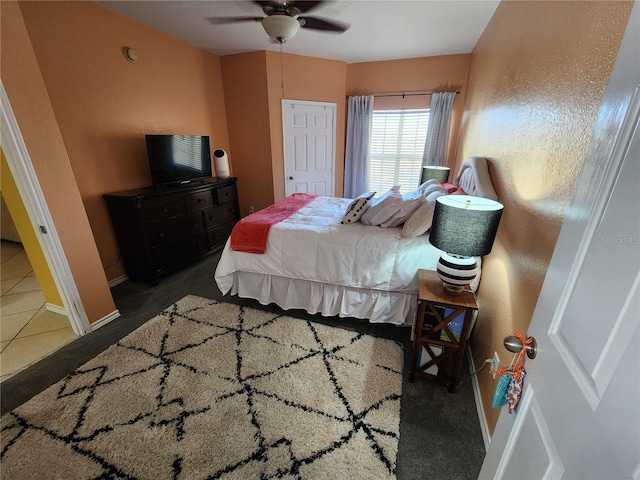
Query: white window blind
[397, 145]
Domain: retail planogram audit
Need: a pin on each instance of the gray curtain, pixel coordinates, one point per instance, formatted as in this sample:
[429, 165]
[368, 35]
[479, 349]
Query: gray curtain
[435, 147]
[356, 163]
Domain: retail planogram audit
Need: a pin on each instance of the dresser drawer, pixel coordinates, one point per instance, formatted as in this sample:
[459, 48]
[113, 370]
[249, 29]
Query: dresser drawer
[160, 229]
[165, 208]
[220, 214]
[219, 235]
[226, 194]
[175, 228]
[198, 201]
[172, 254]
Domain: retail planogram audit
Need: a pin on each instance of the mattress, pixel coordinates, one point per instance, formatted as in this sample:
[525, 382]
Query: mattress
[316, 263]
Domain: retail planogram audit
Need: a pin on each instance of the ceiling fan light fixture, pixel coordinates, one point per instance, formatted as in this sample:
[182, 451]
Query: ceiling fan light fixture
[280, 27]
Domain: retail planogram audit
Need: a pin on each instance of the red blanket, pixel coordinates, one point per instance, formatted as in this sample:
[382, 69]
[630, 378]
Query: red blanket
[250, 234]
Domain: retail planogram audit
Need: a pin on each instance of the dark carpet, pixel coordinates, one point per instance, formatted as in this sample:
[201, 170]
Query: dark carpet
[440, 436]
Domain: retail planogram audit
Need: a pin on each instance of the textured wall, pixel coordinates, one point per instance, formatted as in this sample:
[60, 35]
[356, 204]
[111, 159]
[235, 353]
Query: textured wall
[104, 104]
[305, 78]
[427, 74]
[27, 92]
[537, 77]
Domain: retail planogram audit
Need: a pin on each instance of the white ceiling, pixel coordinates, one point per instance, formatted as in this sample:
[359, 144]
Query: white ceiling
[380, 29]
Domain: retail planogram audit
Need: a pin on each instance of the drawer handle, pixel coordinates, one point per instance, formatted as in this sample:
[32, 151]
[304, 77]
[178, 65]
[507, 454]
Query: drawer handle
[195, 224]
[212, 218]
[165, 210]
[200, 200]
[161, 234]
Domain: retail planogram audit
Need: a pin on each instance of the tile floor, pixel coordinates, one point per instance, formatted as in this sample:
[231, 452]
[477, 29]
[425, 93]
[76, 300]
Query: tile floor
[28, 331]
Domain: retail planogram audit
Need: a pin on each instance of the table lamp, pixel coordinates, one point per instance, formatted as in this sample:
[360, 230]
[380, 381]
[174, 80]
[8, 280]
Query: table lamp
[463, 227]
[435, 172]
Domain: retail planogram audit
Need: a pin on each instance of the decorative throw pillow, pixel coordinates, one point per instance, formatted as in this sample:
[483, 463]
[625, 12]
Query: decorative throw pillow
[382, 208]
[358, 207]
[449, 187]
[410, 202]
[453, 189]
[420, 221]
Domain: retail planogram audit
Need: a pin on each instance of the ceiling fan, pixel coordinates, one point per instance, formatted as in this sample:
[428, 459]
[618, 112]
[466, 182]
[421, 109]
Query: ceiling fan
[282, 19]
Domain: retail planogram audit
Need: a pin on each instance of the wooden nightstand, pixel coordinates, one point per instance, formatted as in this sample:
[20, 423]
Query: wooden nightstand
[440, 330]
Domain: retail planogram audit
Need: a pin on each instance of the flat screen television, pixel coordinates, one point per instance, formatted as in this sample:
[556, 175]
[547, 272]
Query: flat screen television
[178, 159]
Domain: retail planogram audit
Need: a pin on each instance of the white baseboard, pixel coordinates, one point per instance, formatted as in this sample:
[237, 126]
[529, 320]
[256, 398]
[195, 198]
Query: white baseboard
[104, 320]
[56, 309]
[118, 280]
[484, 427]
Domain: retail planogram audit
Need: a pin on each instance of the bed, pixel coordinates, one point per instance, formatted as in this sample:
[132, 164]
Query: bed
[316, 263]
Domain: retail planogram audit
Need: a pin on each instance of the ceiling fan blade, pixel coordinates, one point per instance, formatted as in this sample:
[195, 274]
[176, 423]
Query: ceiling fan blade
[324, 24]
[305, 6]
[223, 20]
[302, 6]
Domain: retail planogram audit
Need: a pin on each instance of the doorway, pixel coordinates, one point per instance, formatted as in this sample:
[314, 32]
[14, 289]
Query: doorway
[40, 222]
[29, 330]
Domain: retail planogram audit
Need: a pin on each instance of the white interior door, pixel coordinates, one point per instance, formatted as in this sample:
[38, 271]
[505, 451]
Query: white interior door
[309, 130]
[579, 416]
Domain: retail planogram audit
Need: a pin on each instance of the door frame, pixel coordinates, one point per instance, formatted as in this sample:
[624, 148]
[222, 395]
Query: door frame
[26, 180]
[334, 107]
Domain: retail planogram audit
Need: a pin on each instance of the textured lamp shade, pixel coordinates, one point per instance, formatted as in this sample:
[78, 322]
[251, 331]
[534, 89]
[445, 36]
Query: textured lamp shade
[280, 27]
[463, 226]
[440, 174]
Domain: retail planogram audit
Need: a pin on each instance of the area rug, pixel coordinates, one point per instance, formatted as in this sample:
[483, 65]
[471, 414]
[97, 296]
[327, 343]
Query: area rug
[213, 390]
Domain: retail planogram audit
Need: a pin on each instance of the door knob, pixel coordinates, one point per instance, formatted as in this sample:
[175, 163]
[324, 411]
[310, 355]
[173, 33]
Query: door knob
[290, 177]
[514, 344]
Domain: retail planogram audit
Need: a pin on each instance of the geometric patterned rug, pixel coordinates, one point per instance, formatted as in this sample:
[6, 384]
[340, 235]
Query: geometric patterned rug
[211, 390]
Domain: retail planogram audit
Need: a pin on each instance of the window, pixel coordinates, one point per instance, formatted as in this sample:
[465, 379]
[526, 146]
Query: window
[397, 145]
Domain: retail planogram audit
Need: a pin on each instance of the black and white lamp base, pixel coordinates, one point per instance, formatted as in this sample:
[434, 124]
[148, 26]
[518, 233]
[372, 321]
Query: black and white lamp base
[456, 271]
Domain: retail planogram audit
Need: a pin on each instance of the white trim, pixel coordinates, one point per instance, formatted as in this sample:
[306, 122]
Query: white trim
[118, 280]
[26, 180]
[484, 426]
[104, 320]
[56, 309]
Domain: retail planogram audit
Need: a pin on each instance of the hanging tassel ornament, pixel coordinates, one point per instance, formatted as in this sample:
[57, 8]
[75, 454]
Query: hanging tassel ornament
[509, 388]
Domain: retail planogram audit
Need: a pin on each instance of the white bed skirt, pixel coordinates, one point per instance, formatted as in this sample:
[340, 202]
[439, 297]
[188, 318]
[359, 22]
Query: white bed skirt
[377, 306]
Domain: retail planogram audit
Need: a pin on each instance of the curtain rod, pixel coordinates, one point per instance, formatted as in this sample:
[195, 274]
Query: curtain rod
[408, 94]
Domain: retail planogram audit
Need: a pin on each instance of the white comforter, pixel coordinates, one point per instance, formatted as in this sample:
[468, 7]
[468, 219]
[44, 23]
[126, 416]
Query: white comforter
[313, 245]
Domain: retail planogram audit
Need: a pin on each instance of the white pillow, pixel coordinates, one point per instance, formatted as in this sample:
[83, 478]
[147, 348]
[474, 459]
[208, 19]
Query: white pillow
[358, 207]
[428, 185]
[410, 202]
[419, 222]
[383, 207]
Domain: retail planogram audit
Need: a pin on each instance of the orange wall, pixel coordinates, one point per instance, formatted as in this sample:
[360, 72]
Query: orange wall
[537, 78]
[245, 89]
[253, 92]
[255, 129]
[428, 74]
[312, 79]
[36, 117]
[104, 104]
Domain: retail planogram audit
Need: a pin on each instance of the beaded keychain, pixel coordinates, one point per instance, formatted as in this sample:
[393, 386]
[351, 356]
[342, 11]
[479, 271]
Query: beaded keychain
[509, 388]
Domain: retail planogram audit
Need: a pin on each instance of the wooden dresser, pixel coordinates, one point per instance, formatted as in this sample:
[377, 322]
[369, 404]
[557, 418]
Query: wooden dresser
[160, 229]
